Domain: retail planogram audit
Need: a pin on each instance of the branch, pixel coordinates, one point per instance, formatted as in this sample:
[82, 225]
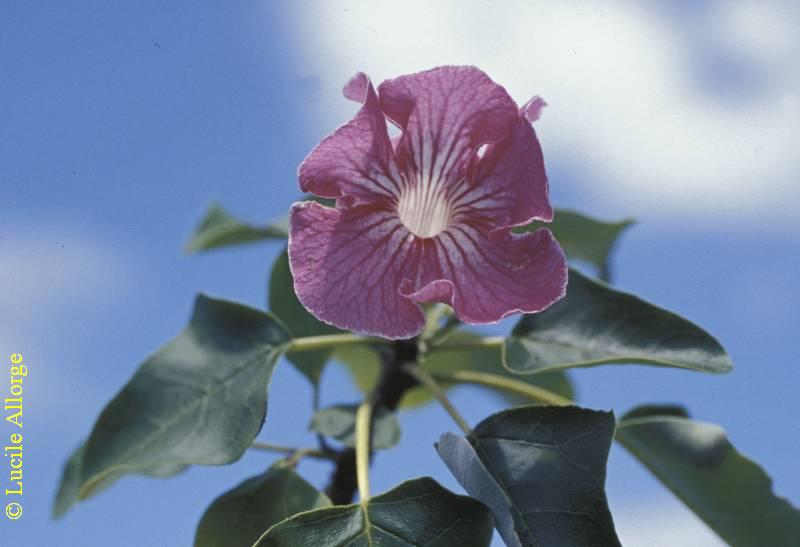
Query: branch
[392, 384]
[292, 451]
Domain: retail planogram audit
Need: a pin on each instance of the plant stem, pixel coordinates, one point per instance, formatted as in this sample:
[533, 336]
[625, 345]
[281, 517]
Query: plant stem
[293, 459]
[363, 447]
[447, 329]
[486, 342]
[292, 451]
[324, 341]
[424, 378]
[392, 384]
[536, 393]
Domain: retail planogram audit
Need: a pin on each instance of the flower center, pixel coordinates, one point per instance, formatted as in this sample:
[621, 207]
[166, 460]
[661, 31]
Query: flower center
[424, 210]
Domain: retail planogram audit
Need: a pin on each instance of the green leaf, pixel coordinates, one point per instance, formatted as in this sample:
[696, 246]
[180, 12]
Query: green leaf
[201, 399]
[67, 493]
[240, 516]
[283, 303]
[69, 489]
[220, 229]
[339, 422]
[364, 365]
[417, 513]
[595, 324]
[541, 470]
[730, 492]
[584, 238]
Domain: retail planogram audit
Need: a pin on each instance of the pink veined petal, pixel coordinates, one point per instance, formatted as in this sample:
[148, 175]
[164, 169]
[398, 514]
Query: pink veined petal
[509, 184]
[445, 114]
[357, 160]
[348, 264]
[486, 278]
[357, 88]
[532, 110]
[426, 218]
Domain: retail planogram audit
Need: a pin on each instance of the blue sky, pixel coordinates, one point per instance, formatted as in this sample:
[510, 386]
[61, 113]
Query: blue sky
[120, 122]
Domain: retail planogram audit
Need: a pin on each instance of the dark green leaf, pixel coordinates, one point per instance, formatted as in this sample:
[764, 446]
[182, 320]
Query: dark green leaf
[201, 399]
[69, 490]
[219, 229]
[731, 493]
[70, 484]
[584, 238]
[365, 366]
[240, 516]
[541, 470]
[595, 324]
[339, 422]
[283, 303]
[417, 513]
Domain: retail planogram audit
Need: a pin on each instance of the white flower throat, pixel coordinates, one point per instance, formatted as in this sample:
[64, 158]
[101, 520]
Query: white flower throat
[424, 209]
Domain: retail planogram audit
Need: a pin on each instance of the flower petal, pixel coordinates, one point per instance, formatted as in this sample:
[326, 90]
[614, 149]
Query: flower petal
[348, 264]
[446, 114]
[357, 88]
[357, 160]
[485, 278]
[533, 108]
[509, 186]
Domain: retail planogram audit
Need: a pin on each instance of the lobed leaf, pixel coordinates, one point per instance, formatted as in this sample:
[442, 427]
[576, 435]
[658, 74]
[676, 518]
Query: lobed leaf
[68, 492]
[595, 324]
[541, 470]
[219, 229]
[731, 493]
[339, 422]
[70, 484]
[240, 516]
[416, 513]
[201, 399]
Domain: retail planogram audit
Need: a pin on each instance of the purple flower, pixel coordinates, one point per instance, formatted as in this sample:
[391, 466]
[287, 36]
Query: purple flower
[426, 217]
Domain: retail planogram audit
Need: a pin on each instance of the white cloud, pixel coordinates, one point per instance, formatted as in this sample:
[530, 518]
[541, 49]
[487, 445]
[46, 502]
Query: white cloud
[44, 278]
[662, 524]
[42, 272]
[626, 110]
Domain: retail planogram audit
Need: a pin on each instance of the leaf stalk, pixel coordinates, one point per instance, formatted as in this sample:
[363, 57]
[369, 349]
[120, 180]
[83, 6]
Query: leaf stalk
[325, 341]
[535, 393]
[425, 378]
[295, 454]
[363, 446]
